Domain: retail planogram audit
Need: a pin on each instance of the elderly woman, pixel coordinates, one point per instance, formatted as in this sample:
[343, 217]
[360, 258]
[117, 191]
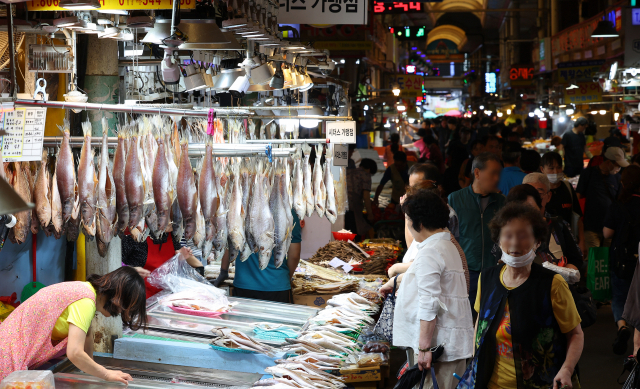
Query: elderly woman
[528, 332]
[432, 307]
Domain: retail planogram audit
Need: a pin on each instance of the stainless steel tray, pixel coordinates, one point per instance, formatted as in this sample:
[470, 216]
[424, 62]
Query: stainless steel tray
[154, 375]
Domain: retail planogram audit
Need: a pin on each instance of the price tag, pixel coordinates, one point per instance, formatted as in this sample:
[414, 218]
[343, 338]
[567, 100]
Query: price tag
[340, 155]
[25, 133]
[342, 132]
[52, 5]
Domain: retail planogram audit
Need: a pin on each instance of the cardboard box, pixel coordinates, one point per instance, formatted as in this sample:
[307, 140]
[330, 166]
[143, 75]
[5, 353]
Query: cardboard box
[354, 373]
[312, 300]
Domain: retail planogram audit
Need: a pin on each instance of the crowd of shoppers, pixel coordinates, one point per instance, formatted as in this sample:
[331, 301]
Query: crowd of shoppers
[479, 225]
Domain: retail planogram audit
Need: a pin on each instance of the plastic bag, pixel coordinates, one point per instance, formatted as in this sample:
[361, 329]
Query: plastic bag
[375, 346]
[572, 276]
[372, 359]
[199, 299]
[177, 275]
[33, 379]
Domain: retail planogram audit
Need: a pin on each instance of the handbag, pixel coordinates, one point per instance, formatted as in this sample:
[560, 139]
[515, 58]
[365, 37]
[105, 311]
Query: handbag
[575, 217]
[384, 326]
[408, 378]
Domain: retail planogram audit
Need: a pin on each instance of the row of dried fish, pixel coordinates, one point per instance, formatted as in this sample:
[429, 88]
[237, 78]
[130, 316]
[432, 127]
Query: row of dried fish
[150, 188]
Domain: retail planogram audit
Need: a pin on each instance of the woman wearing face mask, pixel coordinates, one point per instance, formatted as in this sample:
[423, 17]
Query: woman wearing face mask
[564, 200]
[528, 332]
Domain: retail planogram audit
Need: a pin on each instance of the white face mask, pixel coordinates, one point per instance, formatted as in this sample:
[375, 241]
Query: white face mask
[520, 261]
[554, 178]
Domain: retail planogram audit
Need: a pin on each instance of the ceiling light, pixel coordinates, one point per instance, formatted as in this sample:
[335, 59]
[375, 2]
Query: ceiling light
[79, 4]
[508, 112]
[602, 112]
[395, 89]
[482, 107]
[616, 116]
[572, 86]
[401, 108]
[605, 29]
[500, 114]
[561, 119]
[531, 114]
[277, 81]
[234, 23]
[194, 80]
[199, 31]
[109, 32]
[594, 112]
[569, 111]
[139, 22]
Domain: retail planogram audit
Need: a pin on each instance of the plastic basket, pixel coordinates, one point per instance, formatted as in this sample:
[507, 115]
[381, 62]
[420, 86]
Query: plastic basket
[193, 312]
[343, 236]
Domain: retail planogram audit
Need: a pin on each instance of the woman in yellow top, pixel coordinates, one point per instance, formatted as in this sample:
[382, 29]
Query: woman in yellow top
[528, 332]
[57, 320]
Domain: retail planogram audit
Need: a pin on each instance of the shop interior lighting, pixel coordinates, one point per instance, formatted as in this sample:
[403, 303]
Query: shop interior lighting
[113, 11]
[482, 107]
[594, 112]
[387, 125]
[474, 112]
[79, 4]
[500, 114]
[613, 70]
[570, 112]
[531, 114]
[572, 86]
[395, 89]
[605, 29]
[508, 112]
[401, 108]
[109, 32]
[561, 119]
[603, 112]
[616, 116]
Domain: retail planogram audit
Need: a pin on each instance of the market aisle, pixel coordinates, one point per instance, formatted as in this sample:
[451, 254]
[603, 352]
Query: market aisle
[599, 366]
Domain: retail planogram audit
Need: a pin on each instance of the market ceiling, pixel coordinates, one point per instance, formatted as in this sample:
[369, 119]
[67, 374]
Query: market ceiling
[480, 27]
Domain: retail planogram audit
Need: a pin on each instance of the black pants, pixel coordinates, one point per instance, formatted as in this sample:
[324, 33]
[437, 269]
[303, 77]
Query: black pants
[283, 296]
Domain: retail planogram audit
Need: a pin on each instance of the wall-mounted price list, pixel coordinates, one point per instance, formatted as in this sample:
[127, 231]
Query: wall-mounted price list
[25, 133]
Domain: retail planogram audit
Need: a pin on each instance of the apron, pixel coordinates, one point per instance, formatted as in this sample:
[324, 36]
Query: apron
[25, 336]
[157, 255]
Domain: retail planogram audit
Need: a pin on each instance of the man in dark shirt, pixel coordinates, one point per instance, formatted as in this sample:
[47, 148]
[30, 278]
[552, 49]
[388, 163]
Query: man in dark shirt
[398, 174]
[600, 185]
[574, 144]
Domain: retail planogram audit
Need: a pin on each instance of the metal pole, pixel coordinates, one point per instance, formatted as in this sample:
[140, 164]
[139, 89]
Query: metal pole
[174, 13]
[12, 50]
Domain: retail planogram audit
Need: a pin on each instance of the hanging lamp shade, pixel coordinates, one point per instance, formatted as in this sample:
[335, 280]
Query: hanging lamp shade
[605, 29]
[198, 31]
[79, 4]
[226, 78]
[229, 37]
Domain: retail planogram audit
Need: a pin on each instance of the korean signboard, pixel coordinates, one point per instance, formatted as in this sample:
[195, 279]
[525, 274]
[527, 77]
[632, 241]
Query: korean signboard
[396, 7]
[340, 155]
[521, 75]
[410, 85]
[52, 5]
[409, 33]
[323, 12]
[490, 83]
[25, 133]
[341, 131]
[585, 93]
[581, 71]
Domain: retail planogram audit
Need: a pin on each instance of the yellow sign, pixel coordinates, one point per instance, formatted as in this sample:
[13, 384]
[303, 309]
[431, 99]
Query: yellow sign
[410, 84]
[342, 45]
[585, 93]
[52, 5]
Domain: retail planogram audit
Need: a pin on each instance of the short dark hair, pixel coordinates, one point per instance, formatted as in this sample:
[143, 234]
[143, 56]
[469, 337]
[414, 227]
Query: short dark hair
[530, 160]
[370, 165]
[581, 121]
[429, 140]
[520, 194]
[422, 132]
[513, 211]
[428, 170]
[480, 162]
[548, 159]
[511, 152]
[426, 210]
[453, 121]
[125, 295]
[394, 138]
[400, 156]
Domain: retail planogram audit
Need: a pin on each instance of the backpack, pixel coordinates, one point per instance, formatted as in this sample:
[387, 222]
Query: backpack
[626, 251]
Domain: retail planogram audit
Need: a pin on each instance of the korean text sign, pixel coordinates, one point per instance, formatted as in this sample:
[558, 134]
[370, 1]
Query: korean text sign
[410, 85]
[341, 131]
[323, 12]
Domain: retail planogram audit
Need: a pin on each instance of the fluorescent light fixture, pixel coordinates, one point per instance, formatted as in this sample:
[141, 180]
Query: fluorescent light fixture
[113, 11]
[602, 112]
[79, 4]
[572, 86]
[569, 111]
[613, 70]
[605, 29]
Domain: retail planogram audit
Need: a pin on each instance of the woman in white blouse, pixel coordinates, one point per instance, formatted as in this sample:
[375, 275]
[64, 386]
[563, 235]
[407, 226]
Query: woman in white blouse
[432, 306]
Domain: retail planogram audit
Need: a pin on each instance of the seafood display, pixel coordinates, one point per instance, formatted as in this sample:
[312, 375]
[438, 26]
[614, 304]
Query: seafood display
[149, 187]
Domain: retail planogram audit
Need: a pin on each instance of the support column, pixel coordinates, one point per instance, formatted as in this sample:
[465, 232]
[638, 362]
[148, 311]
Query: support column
[555, 17]
[101, 81]
[104, 328]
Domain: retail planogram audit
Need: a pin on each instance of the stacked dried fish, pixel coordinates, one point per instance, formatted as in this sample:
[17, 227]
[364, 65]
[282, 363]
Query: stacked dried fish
[337, 248]
[87, 181]
[106, 216]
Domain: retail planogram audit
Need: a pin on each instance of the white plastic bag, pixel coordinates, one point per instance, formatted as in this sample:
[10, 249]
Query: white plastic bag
[572, 276]
[177, 275]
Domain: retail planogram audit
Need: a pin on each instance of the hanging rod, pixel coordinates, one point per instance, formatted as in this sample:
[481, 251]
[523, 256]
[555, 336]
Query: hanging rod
[291, 141]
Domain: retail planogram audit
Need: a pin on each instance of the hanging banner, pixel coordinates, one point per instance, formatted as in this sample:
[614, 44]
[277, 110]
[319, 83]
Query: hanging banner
[25, 133]
[410, 85]
[341, 132]
[340, 155]
[52, 5]
[585, 93]
[580, 71]
[322, 12]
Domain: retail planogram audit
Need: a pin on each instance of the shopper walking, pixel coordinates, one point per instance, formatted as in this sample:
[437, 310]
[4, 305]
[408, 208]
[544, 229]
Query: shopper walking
[359, 196]
[434, 280]
[475, 206]
[392, 148]
[564, 200]
[398, 174]
[528, 333]
[574, 144]
[600, 186]
[622, 225]
[512, 174]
